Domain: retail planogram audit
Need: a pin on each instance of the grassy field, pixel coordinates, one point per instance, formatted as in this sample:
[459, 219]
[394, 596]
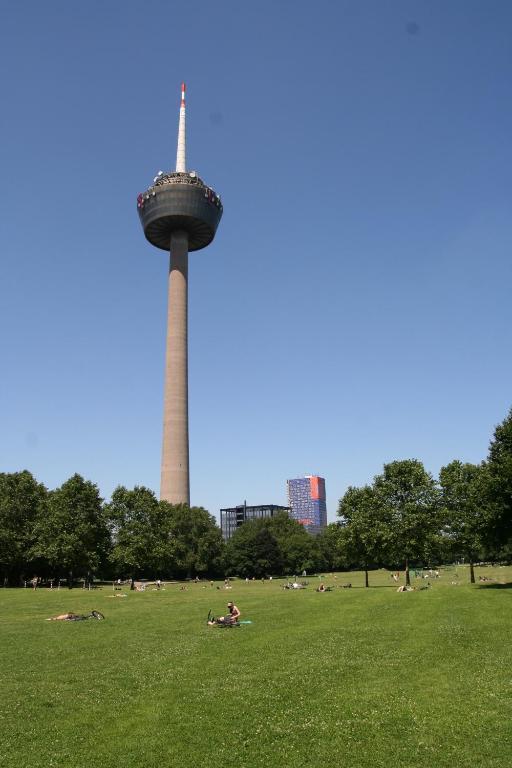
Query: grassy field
[353, 678]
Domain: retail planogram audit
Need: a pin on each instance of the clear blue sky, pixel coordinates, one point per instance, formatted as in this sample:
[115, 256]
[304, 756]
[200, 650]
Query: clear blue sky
[355, 307]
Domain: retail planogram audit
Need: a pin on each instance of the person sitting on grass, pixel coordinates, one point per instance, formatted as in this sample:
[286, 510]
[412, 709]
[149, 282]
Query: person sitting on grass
[231, 620]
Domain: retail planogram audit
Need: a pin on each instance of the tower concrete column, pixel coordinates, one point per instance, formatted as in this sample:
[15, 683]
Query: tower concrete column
[174, 484]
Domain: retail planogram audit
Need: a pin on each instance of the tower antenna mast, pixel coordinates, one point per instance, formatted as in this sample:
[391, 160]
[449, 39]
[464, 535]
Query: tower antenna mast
[181, 164]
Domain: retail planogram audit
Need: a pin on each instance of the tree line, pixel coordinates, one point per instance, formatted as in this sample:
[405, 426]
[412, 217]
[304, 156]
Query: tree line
[404, 517]
[70, 533]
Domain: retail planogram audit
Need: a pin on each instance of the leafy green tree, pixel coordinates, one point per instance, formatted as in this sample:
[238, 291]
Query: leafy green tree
[440, 547]
[499, 483]
[21, 498]
[273, 546]
[71, 535]
[195, 543]
[253, 551]
[366, 524]
[408, 498]
[332, 547]
[463, 501]
[161, 539]
[299, 550]
[267, 556]
[137, 525]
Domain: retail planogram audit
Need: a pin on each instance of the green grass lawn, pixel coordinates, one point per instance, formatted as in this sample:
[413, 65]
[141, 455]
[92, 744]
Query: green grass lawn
[354, 678]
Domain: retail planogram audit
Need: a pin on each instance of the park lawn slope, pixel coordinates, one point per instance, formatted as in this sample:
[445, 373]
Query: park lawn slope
[353, 678]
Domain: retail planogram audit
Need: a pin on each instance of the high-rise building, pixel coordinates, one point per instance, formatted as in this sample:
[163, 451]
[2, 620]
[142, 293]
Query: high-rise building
[306, 497]
[179, 213]
[233, 517]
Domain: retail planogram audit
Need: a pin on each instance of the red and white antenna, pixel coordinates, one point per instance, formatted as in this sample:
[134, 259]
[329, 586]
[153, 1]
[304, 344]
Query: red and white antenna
[181, 165]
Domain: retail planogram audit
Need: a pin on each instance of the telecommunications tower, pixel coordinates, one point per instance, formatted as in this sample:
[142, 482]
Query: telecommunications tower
[179, 213]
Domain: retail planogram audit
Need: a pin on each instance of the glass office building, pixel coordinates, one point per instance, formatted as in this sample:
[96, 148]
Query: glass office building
[233, 517]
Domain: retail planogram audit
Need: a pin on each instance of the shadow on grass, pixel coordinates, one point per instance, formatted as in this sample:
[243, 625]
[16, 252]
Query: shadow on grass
[362, 586]
[507, 585]
[381, 586]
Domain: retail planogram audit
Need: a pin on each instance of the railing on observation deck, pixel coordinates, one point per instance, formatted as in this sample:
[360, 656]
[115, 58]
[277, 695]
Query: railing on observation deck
[175, 177]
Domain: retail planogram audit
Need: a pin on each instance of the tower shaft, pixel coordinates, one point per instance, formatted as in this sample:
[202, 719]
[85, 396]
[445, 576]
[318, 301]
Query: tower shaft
[175, 484]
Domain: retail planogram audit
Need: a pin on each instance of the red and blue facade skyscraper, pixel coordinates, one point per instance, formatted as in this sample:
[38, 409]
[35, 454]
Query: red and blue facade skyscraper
[306, 497]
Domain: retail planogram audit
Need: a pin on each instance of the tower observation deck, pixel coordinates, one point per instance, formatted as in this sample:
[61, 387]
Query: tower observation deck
[179, 213]
[179, 201]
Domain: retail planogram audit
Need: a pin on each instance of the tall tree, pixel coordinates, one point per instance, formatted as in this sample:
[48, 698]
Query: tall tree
[135, 521]
[331, 545]
[463, 501]
[253, 551]
[500, 482]
[366, 527]
[195, 540]
[72, 535]
[409, 499]
[299, 551]
[152, 537]
[21, 498]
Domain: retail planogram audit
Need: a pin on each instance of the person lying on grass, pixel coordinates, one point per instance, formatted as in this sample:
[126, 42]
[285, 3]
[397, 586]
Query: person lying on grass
[231, 620]
[76, 616]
